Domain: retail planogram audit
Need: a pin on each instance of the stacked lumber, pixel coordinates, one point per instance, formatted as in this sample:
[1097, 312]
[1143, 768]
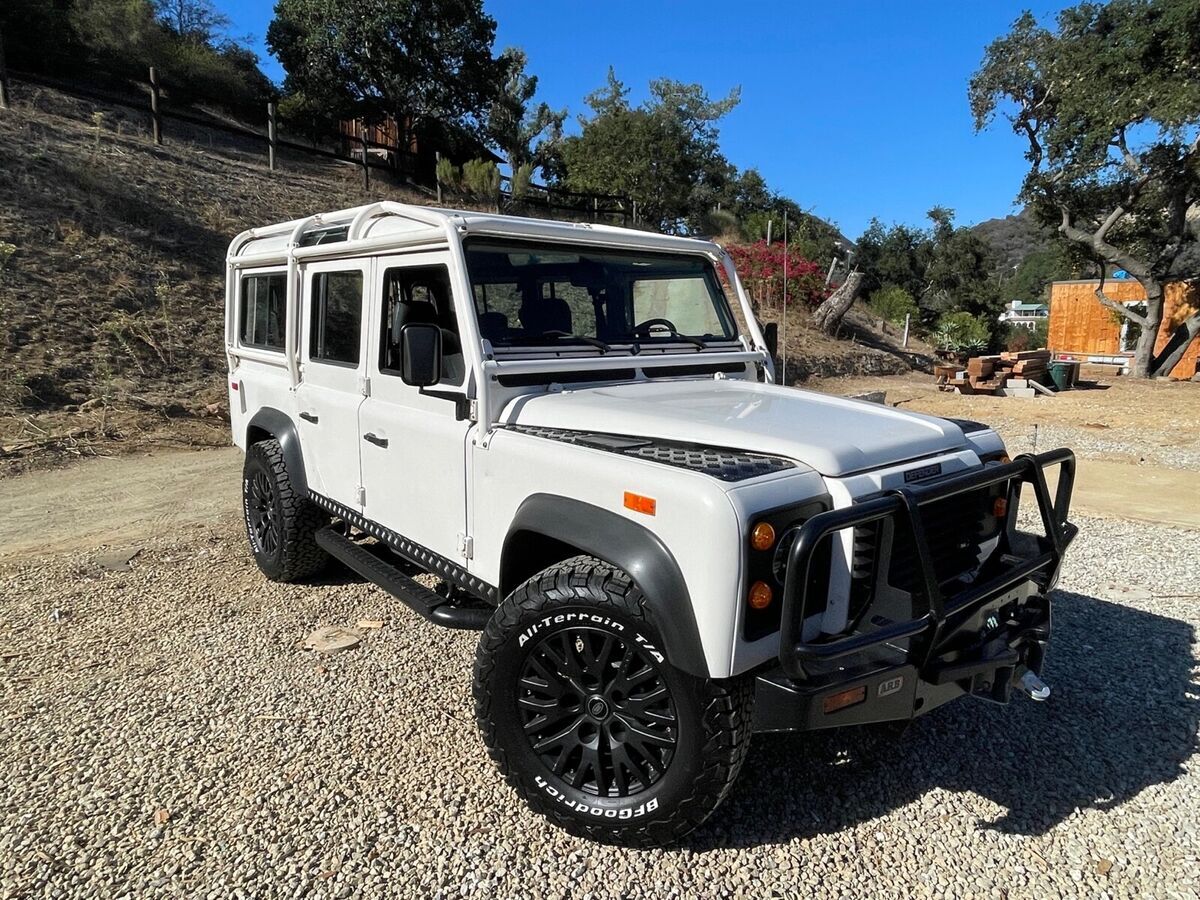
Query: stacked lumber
[996, 374]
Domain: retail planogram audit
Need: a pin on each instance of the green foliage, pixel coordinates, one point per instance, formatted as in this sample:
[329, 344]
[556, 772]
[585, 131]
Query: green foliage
[944, 268]
[962, 333]
[521, 179]
[115, 41]
[417, 60]
[524, 135]
[1017, 337]
[7, 252]
[449, 175]
[893, 303]
[663, 154]
[1030, 281]
[481, 177]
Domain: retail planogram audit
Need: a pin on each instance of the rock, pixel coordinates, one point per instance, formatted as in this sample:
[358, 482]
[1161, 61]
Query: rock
[332, 639]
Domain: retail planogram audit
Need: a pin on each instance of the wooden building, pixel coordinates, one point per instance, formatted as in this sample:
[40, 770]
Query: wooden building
[1082, 328]
[418, 158]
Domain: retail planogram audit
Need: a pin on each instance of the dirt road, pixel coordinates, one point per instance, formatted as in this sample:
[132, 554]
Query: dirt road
[115, 501]
[121, 501]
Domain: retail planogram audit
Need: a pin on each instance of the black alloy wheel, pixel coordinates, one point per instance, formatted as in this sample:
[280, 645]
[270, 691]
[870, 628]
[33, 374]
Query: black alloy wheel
[597, 712]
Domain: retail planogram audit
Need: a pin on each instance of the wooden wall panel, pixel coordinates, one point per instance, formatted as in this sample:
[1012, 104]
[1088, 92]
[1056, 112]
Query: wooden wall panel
[1079, 324]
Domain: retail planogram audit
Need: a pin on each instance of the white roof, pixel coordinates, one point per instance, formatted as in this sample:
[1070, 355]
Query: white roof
[384, 224]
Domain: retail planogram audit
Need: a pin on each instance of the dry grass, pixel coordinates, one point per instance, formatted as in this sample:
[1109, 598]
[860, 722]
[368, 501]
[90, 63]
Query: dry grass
[111, 283]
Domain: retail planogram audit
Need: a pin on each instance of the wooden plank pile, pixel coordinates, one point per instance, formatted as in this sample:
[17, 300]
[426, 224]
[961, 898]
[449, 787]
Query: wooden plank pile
[1022, 374]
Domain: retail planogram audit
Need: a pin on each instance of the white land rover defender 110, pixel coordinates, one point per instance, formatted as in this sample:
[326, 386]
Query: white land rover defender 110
[665, 550]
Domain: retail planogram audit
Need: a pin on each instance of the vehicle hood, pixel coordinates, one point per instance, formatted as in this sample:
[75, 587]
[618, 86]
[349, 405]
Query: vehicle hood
[832, 435]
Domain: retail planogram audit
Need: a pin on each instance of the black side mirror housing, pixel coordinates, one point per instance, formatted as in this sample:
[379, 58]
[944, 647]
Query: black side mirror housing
[421, 354]
[771, 336]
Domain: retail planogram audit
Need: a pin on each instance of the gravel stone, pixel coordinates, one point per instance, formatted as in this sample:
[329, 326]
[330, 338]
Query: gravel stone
[182, 685]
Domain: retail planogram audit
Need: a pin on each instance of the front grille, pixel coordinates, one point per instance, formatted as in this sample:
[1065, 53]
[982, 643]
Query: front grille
[955, 528]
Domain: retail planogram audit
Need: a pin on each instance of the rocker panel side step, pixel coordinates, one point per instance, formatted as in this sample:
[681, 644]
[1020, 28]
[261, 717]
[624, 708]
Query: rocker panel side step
[420, 599]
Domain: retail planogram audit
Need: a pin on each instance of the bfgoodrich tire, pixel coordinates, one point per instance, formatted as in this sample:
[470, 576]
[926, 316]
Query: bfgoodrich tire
[589, 722]
[280, 524]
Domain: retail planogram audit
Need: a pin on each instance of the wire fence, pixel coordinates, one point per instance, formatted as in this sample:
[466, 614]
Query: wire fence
[368, 155]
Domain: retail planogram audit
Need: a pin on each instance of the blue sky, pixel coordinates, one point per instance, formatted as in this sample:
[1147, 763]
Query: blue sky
[854, 108]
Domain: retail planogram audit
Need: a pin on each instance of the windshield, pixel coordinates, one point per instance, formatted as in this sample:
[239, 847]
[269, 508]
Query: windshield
[527, 293]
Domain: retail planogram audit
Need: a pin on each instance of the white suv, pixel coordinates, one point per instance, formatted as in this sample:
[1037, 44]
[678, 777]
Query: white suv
[665, 550]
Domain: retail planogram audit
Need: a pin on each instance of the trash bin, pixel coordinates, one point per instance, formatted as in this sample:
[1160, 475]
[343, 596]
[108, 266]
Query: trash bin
[1060, 374]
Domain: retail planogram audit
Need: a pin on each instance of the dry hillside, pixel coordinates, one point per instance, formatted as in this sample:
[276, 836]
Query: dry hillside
[111, 302]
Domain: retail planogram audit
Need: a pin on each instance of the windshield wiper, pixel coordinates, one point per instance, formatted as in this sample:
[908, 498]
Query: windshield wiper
[672, 333]
[583, 339]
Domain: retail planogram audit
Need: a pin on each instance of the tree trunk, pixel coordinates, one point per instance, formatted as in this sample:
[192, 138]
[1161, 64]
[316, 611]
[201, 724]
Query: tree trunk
[830, 313]
[1180, 340]
[1143, 353]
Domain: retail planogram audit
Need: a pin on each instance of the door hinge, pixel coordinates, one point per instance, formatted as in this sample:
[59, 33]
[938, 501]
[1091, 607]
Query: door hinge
[466, 546]
[473, 410]
[364, 385]
[361, 493]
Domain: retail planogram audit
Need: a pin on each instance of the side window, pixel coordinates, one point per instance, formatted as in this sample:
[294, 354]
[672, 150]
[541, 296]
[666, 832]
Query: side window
[264, 311]
[419, 294]
[336, 327]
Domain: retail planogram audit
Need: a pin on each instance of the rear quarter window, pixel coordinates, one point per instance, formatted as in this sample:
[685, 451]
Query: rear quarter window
[263, 311]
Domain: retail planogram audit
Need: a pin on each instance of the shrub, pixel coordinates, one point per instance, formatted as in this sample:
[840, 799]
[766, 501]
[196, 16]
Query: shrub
[448, 174]
[481, 177]
[961, 332]
[892, 303]
[521, 179]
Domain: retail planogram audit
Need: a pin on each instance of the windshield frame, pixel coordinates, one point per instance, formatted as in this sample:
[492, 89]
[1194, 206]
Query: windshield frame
[587, 341]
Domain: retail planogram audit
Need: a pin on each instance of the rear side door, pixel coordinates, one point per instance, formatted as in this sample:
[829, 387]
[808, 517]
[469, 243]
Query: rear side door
[414, 439]
[333, 368]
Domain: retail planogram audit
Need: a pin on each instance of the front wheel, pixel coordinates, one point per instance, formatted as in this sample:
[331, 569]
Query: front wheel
[591, 724]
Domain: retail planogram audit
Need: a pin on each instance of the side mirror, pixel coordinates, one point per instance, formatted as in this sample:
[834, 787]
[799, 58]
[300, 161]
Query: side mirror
[421, 354]
[771, 336]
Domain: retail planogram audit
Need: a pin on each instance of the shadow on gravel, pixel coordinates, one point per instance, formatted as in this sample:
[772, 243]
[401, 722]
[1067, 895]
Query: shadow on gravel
[1123, 717]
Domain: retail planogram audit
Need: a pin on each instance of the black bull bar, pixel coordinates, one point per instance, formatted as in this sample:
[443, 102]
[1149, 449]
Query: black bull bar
[932, 607]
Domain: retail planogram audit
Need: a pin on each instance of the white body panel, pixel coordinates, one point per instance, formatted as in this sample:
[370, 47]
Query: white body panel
[833, 435]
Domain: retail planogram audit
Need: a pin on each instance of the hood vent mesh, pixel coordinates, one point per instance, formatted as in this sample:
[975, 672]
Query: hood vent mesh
[718, 462]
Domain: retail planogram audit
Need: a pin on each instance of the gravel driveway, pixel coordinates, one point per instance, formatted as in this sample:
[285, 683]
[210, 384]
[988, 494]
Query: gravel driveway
[168, 737]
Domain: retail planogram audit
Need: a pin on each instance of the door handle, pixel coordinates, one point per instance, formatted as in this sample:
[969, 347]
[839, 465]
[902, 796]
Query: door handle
[375, 439]
[309, 417]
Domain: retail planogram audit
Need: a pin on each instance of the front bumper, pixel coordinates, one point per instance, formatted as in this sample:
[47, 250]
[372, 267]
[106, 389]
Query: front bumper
[981, 638]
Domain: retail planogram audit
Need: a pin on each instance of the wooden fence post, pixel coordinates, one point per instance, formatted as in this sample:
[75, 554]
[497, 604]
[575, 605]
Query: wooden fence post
[155, 118]
[365, 166]
[4, 101]
[271, 136]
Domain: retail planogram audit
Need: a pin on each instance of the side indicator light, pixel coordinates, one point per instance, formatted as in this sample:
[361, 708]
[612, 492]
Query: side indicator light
[842, 699]
[1000, 507]
[234, 385]
[763, 536]
[638, 503]
[760, 595]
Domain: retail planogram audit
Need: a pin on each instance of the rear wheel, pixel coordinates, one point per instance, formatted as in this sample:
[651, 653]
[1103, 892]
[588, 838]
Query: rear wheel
[280, 524]
[591, 724]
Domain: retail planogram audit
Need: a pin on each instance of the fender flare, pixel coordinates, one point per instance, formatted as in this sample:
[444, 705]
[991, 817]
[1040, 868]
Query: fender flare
[280, 426]
[632, 548]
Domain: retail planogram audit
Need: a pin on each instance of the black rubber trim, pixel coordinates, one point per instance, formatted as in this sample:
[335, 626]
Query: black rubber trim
[280, 426]
[969, 426]
[438, 565]
[630, 547]
[416, 596]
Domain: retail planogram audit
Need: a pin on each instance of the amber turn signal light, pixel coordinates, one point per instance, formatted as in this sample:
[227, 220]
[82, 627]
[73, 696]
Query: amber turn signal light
[763, 536]
[760, 595]
[638, 503]
[842, 699]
